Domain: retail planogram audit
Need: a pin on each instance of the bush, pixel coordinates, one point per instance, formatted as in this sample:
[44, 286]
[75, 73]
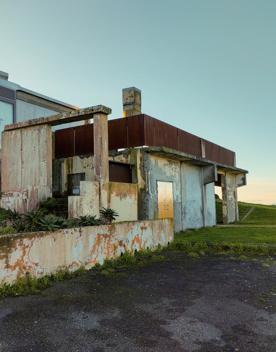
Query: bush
[108, 215]
[89, 220]
[7, 230]
[49, 206]
[51, 222]
[41, 220]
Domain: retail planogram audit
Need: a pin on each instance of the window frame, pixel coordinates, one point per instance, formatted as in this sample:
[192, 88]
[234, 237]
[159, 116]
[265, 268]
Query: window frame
[13, 103]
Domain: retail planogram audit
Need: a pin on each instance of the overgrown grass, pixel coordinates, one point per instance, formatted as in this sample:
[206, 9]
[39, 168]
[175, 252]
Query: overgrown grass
[31, 285]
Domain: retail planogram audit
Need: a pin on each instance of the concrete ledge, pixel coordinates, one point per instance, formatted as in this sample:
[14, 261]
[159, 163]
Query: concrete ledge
[59, 119]
[44, 253]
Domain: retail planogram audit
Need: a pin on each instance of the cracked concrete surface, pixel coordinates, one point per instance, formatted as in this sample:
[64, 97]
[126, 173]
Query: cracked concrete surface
[183, 304]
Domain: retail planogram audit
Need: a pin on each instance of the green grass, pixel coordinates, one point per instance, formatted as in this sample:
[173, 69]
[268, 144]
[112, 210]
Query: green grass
[261, 215]
[247, 240]
[257, 235]
[31, 285]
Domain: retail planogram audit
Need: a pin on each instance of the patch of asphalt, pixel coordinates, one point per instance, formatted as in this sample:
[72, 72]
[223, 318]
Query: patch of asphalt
[183, 304]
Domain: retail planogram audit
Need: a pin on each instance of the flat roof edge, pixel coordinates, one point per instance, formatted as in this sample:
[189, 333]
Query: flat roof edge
[186, 156]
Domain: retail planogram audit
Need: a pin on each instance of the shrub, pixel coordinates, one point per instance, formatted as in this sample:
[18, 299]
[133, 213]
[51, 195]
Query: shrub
[41, 220]
[108, 215]
[49, 206]
[31, 220]
[3, 215]
[51, 222]
[7, 230]
[89, 220]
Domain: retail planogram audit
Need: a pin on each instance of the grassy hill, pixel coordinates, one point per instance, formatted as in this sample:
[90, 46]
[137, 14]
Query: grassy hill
[252, 214]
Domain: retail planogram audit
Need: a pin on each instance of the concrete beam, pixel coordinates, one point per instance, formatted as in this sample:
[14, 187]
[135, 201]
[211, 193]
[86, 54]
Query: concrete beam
[241, 180]
[210, 174]
[59, 119]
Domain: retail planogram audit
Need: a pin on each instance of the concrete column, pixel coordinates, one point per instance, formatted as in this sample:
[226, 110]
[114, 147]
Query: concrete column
[230, 210]
[101, 163]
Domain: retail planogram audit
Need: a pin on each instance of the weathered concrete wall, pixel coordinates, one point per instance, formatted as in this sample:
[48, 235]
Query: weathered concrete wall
[73, 165]
[192, 196]
[194, 201]
[26, 167]
[210, 205]
[77, 164]
[45, 253]
[123, 198]
[87, 203]
[161, 169]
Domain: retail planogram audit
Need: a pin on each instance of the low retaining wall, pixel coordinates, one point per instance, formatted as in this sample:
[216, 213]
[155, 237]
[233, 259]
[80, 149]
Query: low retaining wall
[42, 253]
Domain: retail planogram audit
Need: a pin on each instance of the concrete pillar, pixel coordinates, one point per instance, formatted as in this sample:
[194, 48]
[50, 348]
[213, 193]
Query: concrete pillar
[131, 101]
[230, 210]
[101, 163]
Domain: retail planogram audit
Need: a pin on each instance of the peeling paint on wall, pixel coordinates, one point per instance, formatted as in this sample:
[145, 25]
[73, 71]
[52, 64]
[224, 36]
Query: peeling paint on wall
[123, 198]
[44, 253]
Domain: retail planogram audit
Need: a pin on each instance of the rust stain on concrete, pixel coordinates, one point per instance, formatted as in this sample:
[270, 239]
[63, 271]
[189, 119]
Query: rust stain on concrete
[44, 253]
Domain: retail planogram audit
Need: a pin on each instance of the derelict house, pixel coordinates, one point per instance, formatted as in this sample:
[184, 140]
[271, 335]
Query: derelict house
[138, 165]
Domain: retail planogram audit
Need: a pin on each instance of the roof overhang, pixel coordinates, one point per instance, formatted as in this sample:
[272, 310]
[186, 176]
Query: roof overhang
[177, 155]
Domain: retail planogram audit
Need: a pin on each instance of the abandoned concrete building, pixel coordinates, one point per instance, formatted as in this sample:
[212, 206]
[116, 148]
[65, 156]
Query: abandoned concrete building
[138, 165]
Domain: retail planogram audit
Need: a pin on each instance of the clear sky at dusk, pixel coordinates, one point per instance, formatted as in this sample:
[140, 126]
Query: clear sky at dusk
[206, 66]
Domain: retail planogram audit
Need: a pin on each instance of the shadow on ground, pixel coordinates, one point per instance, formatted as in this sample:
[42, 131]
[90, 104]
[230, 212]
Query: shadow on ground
[181, 304]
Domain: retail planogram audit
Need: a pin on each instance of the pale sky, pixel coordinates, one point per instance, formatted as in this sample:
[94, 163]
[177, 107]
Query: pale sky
[205, 66]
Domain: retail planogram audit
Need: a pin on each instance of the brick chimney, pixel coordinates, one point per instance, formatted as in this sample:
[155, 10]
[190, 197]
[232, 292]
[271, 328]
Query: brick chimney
[131, 101]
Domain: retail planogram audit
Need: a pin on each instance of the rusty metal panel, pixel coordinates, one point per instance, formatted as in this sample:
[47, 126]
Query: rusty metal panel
[140, 130]
[65, 143]
[119, 172]
[165, 199]
[135, 131]
[117, 134]
[219, 154]
[189, 143]
[159, 133]
[84, 139]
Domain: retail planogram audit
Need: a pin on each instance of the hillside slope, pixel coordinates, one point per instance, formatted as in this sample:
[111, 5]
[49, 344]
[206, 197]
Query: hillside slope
[253, 214]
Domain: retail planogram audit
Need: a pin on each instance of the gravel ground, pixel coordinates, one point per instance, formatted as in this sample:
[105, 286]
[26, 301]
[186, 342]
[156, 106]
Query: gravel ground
[182, 304]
